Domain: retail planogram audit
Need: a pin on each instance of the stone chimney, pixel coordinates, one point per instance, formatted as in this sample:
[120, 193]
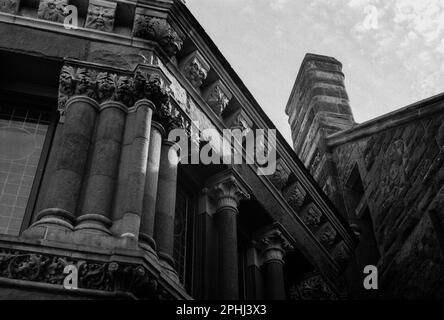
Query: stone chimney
[318, 107]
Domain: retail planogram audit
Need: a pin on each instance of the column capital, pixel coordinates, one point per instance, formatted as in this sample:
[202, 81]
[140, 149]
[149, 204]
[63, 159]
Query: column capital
[227, 189]
[111, 85]
[273, 244]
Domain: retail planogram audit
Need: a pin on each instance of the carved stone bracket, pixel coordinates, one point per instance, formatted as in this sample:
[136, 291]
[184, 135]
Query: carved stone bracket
[101, 15]
[9, 6]
[52, 10]
[341, 254]
[195, 68]
[280, 177]
[151, 27]
[327, 235]
[103, 276]
[312, 216]
[295, 195]
[217, 96]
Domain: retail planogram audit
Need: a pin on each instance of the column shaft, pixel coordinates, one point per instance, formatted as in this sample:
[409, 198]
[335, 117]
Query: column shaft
[274, 280]
[62, 196]
[100, 186]
[166, 203]
[226, 220]
[134, 164]
[151, 182]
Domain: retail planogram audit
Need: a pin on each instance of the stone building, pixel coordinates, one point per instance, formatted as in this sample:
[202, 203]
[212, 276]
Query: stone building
[93, 188]
[386, 176]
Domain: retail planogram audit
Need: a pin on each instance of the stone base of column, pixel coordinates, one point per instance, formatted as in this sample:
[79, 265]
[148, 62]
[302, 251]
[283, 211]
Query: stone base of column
[167, 263]
[94, 223]
[54, 219]
[148, 244]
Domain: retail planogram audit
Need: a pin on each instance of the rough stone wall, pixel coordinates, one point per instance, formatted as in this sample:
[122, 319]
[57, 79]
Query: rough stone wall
[403, 176]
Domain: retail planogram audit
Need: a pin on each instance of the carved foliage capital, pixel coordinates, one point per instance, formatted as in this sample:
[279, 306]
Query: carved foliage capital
[106, 86]
[227, 193]
[273, 246]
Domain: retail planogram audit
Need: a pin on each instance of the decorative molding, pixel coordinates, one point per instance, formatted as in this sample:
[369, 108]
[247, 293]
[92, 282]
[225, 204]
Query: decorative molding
[217, 96]
[101, 15]
[9, 6]
[195, 68]
[93, 275]
[150, 27]
[52, 10]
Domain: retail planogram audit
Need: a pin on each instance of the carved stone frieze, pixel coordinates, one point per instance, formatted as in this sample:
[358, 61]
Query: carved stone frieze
[195, 69]
[150, 27]
[108, 86]
[52, 10]
[312, 288]
[94, 275]
[9, 6]
[217, 96]
[101, 15]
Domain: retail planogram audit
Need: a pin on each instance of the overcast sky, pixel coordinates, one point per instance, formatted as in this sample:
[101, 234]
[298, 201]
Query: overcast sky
[392, 50]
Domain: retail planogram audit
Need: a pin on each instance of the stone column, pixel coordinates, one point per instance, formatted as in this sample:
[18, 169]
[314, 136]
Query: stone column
[166, 205]
[97, 204]
[61, 199]
[146, 235]
[273, 247]
[226, 191]
[128, 224]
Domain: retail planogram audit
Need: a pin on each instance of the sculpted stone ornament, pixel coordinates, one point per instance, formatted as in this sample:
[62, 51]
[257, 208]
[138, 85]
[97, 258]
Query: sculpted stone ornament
[9, 6]
[341, 254]
[312, 288]
[157, 29]
[226, 191]
[327, 235]
[217, 96]
[103, 276]
[280, 178]
[295, 195]
[195, 69]
[106, 86]
[312, 217]
[52, 10]
[101, 15]
[273, 246]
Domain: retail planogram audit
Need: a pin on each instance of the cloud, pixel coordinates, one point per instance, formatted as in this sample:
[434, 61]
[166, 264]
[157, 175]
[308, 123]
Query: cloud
[278, 5]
